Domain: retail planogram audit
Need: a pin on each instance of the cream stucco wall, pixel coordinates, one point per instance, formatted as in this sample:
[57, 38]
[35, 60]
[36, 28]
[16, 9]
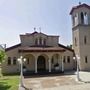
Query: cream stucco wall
[50, 40]
[11, 68]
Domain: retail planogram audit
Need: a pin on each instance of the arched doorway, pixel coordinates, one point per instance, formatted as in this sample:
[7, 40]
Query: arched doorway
[41, 64]
[30, 61]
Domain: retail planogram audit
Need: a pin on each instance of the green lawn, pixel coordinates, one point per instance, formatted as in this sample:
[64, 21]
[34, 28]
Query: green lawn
[9, 82]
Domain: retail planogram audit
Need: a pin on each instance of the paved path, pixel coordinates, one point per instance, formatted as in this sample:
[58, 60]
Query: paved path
[62, 82]
[69, 87]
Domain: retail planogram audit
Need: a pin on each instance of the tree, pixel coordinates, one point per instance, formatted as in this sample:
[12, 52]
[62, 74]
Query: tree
[2, 58]
[69, 46]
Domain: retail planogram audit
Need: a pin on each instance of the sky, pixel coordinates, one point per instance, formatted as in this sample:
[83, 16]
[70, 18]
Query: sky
[21, 16]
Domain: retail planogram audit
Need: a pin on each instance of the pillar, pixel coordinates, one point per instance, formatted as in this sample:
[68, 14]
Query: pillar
[62, 65]
[49, 65]
[36, 65]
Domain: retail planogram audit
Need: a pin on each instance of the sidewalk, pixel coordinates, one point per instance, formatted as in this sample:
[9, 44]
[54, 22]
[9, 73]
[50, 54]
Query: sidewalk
[85, 83]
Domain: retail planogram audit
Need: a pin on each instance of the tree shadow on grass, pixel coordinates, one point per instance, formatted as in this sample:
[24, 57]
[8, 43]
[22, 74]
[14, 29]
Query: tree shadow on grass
[4, 86]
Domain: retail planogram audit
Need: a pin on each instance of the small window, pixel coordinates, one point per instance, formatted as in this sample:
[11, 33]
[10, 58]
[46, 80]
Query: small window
[85, 40]
[86, 61]
[68, 59]
[75, 41]
[9, 61]
[40, 39]
[82, 18]
[14, 60]
[64, 59]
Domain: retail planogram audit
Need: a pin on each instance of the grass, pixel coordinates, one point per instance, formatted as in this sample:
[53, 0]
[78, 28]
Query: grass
[9, 82]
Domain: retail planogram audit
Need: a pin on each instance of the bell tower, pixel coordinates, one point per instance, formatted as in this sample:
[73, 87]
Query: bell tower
[80, 15]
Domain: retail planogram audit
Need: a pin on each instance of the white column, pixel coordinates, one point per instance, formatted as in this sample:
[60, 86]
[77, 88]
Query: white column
[36, 65]
[62, 65]
[49, 65]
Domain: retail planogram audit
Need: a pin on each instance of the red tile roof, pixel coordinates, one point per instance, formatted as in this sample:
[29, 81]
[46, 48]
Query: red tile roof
[57, 49]
[65, 47]
[79, 6]
[41, 49]
[12, 47]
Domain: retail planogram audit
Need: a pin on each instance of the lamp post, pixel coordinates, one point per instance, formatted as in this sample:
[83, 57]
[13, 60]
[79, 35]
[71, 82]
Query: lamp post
[77, 58]
[21, 59]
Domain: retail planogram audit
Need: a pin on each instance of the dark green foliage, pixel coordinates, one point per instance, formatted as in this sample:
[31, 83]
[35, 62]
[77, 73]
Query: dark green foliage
[2, 56]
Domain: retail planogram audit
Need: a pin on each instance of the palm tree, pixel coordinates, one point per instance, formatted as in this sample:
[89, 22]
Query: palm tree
[2, 58]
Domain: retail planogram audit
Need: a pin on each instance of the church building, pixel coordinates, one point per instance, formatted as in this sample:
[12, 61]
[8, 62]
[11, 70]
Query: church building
[44, 53]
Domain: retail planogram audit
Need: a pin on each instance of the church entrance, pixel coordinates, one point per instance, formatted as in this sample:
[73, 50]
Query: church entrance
[41, 64]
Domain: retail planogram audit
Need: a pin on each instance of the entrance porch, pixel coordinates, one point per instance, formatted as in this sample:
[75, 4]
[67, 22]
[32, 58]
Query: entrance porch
[43, 64]
[43, 61]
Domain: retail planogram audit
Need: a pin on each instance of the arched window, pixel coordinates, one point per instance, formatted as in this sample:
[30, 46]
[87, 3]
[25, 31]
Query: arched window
[9, 61]
[82, 18]
[44, 41]
[73, 18]
[40, 41]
